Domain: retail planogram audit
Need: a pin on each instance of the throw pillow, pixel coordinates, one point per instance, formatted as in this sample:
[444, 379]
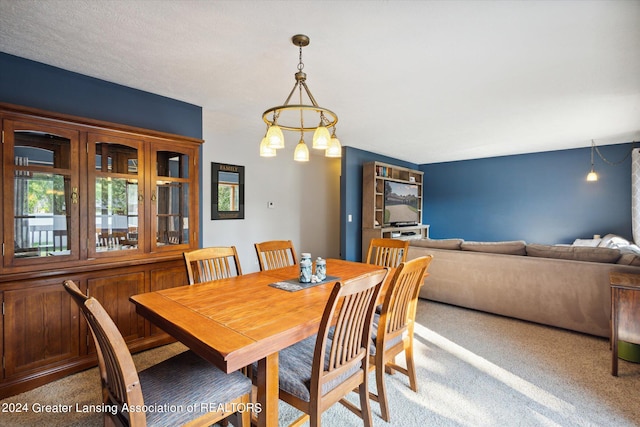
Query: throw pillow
[587, 242]
[613, 241]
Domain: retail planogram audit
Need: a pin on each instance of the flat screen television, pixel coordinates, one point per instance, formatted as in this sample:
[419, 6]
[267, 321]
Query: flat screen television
[401, 204]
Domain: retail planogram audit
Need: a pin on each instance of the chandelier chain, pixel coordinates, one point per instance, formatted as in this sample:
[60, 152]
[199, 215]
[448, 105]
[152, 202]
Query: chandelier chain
[300, 64]
[612, 163]
[300, 92]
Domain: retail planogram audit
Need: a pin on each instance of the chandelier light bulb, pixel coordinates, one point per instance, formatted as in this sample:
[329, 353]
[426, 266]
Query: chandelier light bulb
[321, 138]
[275, 138]
[334, 149]
[301, 154]
[265, 150]
[592, 176]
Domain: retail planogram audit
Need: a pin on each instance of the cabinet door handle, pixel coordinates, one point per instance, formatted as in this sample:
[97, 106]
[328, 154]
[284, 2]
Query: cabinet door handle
[74, 195]
[153, 196]
[140, 197]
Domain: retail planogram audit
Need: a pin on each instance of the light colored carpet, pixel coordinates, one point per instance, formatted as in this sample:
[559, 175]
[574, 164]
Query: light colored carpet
[475, 369]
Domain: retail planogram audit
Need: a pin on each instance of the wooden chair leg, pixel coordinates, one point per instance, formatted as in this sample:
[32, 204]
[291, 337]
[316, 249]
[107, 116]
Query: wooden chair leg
[382, 392]
[244, 418]
[314, 417]
[240, 419]
[365, 406]
[411, 367]
[108, 420]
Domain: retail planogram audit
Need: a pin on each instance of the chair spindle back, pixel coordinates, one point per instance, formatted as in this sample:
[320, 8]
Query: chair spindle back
[387, 252]
[276, 254]
[207, 264]
[352, 303]
[401, 299]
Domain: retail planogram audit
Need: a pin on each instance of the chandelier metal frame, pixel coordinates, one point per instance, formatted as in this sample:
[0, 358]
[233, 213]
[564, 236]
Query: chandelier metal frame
[272, 116]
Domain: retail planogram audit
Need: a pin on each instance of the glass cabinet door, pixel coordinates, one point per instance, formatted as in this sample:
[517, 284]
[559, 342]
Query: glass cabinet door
[116, 195]
[41, 210]
[172, 198]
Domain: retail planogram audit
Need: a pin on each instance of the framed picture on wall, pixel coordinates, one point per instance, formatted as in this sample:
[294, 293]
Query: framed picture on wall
[227, 191]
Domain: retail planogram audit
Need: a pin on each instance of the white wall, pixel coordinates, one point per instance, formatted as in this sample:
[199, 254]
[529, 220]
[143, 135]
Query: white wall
[306, 195]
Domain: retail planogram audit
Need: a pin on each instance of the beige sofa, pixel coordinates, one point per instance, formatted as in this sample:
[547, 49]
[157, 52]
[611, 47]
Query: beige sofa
[528, 282]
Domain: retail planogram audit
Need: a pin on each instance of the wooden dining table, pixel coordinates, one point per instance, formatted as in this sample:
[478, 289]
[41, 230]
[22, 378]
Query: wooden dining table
[237, 321]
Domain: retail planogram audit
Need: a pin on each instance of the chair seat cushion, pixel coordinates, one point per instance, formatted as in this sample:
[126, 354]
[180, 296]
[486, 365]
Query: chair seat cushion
[295, 364]
[374, 336]
[181, 389]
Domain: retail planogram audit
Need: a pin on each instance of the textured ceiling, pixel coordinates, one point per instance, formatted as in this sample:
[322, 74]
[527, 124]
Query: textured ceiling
[422, 81]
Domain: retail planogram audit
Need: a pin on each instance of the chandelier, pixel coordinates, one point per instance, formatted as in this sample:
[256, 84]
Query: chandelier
[291, 117]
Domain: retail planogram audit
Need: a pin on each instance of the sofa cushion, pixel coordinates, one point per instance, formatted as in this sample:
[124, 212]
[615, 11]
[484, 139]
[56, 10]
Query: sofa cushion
[437, 244]
[629, 259]
[630, 255]
[515, 247]
[575, 253]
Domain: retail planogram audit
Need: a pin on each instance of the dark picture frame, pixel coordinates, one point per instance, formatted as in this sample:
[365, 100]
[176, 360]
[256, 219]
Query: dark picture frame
[227, 191]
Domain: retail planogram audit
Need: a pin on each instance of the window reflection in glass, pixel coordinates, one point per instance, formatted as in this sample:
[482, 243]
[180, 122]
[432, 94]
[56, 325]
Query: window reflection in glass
[172, 213]
[116, 197]
[33, 148]
[116, 214]
[116, 158]
[228, 191]
[172, 165]
[40, 218]
[41, 194]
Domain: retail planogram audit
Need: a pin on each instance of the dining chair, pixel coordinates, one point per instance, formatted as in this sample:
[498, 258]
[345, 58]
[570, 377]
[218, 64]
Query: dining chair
[387, 252]
[320, 371]
[184, 382]
[393, 328]
[276, 254]
[207, 264]
[213, 263]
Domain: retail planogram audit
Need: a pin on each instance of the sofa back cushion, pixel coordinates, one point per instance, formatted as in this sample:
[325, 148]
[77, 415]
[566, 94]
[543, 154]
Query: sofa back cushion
[515, 247]
[629, 255]
[575, 253]
[437, 244]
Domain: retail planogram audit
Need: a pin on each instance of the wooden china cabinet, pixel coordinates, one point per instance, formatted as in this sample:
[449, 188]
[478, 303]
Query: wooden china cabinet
[109, 206]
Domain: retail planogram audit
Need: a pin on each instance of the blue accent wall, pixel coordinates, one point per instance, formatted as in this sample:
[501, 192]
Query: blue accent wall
[351, 198]
[33, 84]
[539, 197]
